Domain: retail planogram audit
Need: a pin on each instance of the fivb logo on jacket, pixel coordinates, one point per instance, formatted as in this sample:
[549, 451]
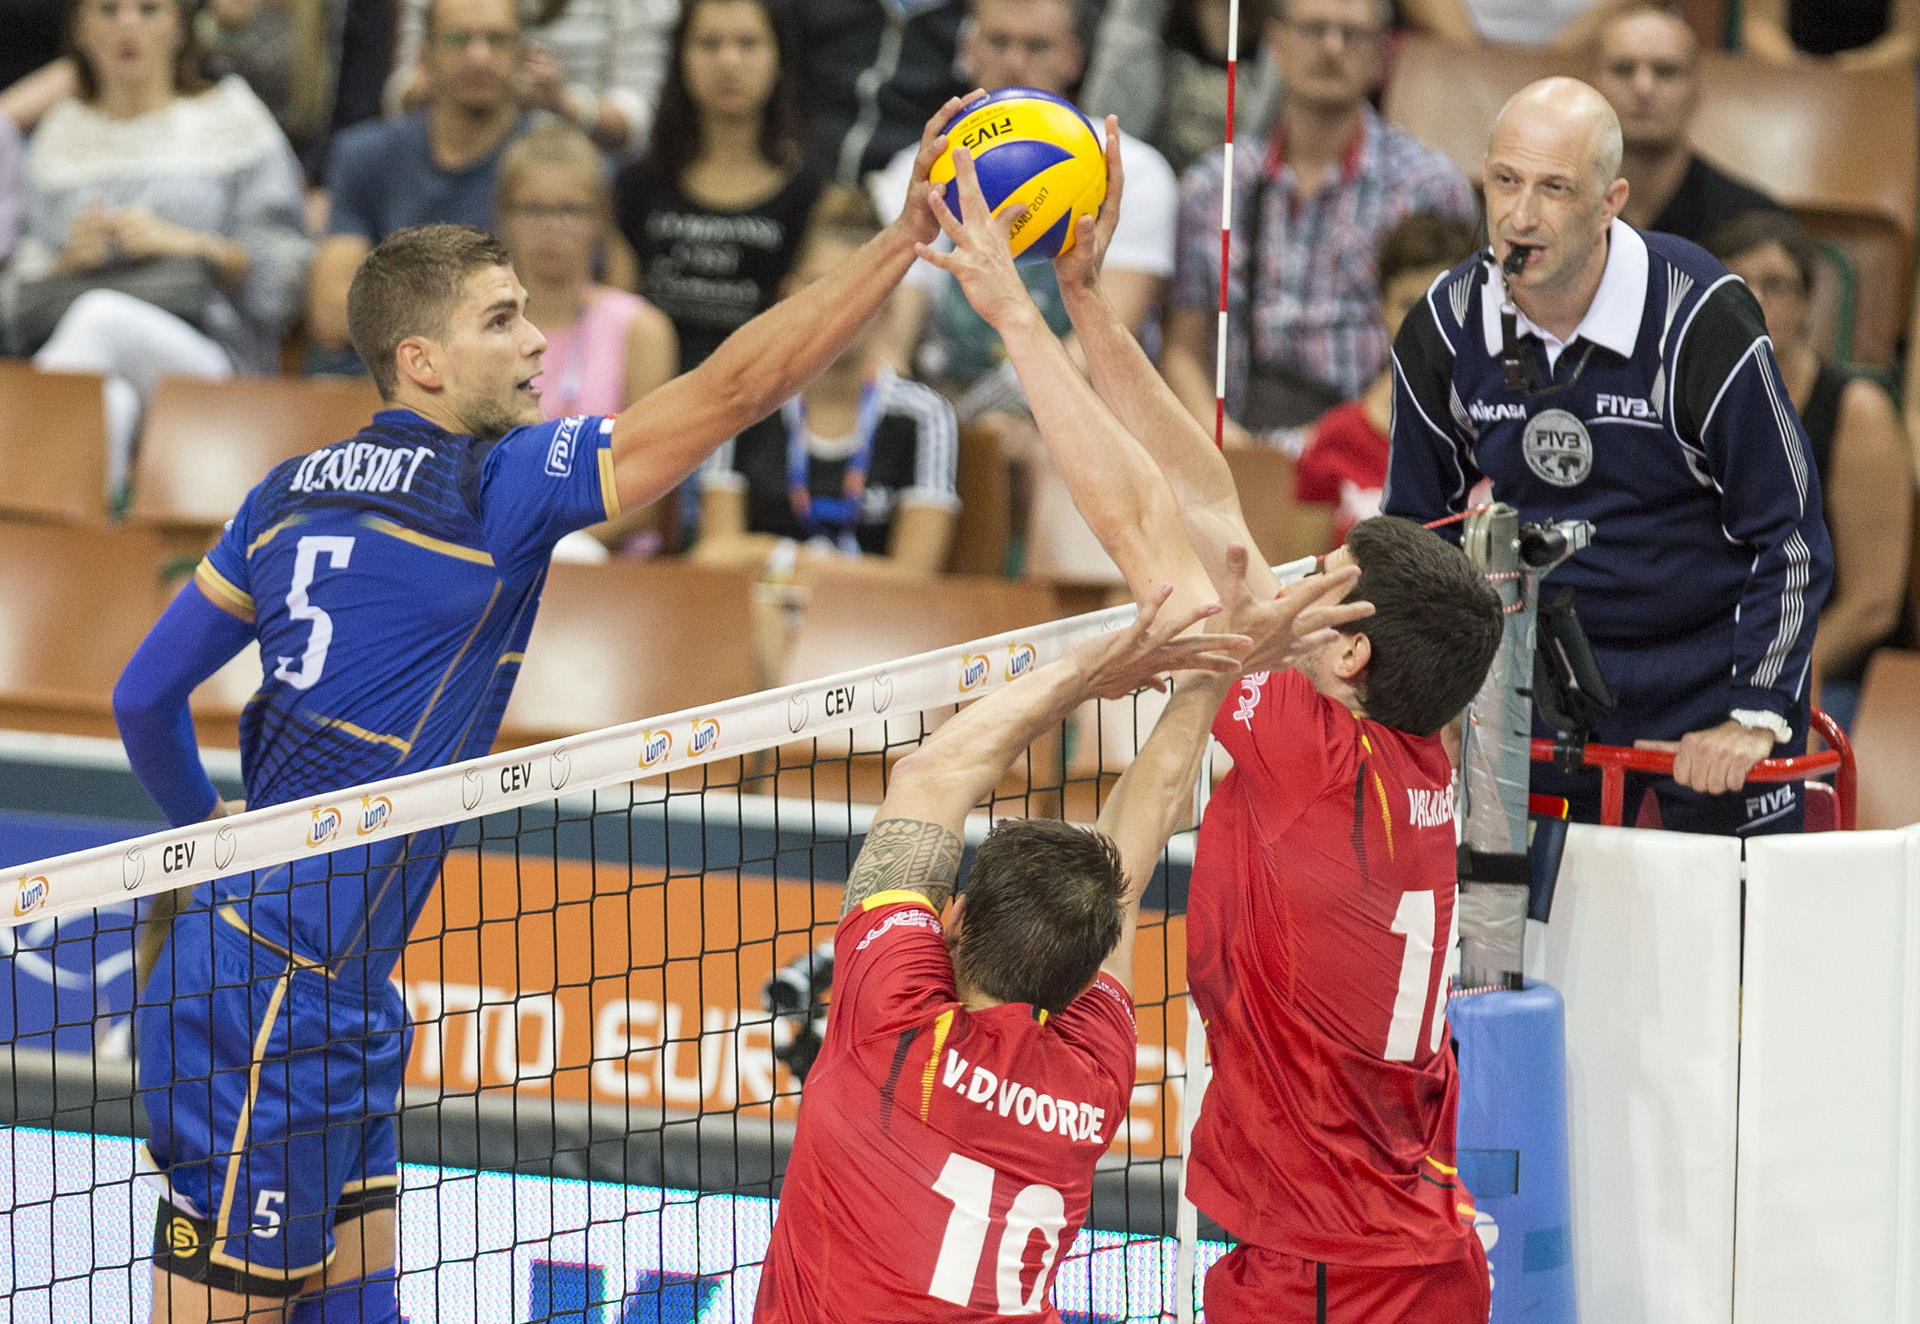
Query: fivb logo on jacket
[1557, 448]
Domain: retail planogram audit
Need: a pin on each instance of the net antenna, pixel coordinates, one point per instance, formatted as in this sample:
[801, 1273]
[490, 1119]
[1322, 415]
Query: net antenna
[1226, 235]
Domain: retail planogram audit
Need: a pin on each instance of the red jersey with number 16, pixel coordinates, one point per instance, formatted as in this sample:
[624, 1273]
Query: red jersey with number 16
[944, 1159]
[1319, 919]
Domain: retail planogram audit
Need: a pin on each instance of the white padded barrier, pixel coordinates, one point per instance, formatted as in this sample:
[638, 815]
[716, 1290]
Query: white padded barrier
[1828, 1216]
[1644, 945]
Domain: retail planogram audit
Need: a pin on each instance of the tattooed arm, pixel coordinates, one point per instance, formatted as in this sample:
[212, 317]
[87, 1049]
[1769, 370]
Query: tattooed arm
[914, 843]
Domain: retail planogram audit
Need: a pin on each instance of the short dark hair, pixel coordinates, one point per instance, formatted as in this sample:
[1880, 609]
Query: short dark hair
[1435, 627]
[1421, 241]
[408, 286]
[1043, 911]
[1756, 229]
[189, 62]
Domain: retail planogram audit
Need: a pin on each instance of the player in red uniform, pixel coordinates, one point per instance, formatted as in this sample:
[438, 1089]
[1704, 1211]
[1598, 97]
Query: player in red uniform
[1321, 908]
[972, 1075]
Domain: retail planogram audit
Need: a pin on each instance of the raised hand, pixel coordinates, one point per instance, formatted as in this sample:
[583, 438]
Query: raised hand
[1115, 664]
[982, 256]
[1302, 618]
[1080, 265]
[914, 217]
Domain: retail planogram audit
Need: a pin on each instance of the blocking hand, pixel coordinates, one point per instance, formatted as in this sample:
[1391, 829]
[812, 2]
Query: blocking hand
[914, 218]
[982, 256]
[1119, 662]
[1080, 265]
[1303, 617]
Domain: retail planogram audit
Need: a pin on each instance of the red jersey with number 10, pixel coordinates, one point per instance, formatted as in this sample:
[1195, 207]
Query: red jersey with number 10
[944, 1158]
[1319, 919]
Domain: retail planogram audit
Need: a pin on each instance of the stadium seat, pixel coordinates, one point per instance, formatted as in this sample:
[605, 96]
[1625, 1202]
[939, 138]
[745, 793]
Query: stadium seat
[205, 444]
[1448, 96]
[53, 445]
[74, 604]
[1284, 528]
[985, 526]
[629, 640]
[1886, 740]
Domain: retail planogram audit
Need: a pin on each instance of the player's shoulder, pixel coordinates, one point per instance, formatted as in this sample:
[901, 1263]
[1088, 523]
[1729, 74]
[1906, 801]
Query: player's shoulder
[881, 915]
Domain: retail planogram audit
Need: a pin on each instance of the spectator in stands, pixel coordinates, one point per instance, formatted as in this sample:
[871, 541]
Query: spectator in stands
[1311, 204]
[1344, 466]
[1858, 34]
[1647, 65]
[598, 63]
[1161, 66]
[1859, 450]
[858, 470]
[874, 72]
[934, 332]
[434, 164]
[11, 187]
[164, 226]
[716, 210]
[605, 347]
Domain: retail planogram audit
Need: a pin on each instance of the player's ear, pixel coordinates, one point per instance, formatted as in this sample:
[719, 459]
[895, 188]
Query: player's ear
[1356, 651]
[418, 360]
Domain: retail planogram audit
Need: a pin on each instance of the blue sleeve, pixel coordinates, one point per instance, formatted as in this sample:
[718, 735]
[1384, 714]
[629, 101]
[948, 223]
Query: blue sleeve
[542, 482]
[1733, 400]
[193, 639]
[1430, 467]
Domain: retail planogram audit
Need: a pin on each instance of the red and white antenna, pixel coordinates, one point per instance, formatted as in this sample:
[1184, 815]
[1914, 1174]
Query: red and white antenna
[1226, 233]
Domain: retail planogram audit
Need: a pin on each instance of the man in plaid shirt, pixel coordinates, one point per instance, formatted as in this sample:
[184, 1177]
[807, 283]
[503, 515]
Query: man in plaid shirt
[1314, 200]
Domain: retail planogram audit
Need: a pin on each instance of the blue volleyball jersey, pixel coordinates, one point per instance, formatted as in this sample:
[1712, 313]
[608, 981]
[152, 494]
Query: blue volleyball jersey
[391, 581]
[1665, 422]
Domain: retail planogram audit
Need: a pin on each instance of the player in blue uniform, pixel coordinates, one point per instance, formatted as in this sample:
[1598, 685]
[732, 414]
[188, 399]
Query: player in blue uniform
[391, 582]
[1644, 396]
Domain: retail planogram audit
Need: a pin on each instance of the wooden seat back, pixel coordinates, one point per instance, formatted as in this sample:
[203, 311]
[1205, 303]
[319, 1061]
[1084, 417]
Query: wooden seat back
[53, 445]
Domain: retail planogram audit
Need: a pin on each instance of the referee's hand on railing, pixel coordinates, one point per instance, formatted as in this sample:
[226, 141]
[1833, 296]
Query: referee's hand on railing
[1716, 760]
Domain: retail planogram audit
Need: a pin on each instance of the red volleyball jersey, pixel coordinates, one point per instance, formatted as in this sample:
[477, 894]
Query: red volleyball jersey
[944, 1158]
[1319, 919]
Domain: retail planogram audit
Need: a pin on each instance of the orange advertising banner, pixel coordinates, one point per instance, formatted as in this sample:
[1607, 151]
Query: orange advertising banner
[626, 986]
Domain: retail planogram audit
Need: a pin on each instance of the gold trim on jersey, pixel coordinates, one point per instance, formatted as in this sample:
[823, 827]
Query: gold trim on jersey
[1451, 1172]
[510, 657]
[609, 488]
[474, 554]
[359, 732]
[216, 588]
[1380, 790]
[272, 533]
[232, 916]
[235, 1156]
[941, 1025]
[893, 897]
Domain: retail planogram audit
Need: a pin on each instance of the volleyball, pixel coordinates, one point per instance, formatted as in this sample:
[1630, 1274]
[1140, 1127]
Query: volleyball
[1034, 149]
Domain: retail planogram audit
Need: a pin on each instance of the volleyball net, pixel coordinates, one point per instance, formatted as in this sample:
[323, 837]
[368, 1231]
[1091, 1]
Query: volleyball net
[614, 991]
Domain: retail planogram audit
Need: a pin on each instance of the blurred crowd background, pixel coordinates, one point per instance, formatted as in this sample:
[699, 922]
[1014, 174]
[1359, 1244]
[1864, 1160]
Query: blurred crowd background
[187, 187]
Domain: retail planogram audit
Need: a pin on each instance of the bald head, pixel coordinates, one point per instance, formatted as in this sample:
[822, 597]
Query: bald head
[1565, 117]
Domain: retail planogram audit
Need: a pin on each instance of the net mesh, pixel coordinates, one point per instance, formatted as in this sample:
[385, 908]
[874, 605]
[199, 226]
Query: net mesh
[613, 995]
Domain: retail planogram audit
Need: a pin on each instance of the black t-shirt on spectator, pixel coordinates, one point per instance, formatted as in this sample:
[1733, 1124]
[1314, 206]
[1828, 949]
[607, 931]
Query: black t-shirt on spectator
[1706, 200]
[31, 33]
[710, 271]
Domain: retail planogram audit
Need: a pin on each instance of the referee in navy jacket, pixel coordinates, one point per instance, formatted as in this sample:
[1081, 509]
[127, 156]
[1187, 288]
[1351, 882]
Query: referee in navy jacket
[1641, 394]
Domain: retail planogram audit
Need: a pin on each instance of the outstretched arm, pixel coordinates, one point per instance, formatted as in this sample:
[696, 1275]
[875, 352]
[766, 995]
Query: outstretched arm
[1114, 483]
[1140, 397]
[659, 440]
[914, 843]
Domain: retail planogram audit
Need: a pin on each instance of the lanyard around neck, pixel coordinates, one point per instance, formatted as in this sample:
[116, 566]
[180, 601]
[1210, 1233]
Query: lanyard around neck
[832, 516]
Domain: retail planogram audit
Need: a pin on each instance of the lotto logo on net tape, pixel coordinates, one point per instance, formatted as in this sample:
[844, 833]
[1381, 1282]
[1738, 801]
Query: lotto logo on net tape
[974, 670]
[375, 810]
[655, 746]
[324, 827]
[29, 895]
[1021, 658]
[705, 735]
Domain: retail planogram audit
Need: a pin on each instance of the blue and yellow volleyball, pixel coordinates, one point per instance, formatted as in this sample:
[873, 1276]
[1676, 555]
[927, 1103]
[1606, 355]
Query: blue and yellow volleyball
[1033, 149]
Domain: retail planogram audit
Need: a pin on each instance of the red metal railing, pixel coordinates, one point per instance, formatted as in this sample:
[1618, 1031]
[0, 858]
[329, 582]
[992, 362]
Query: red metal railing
[1615, 762]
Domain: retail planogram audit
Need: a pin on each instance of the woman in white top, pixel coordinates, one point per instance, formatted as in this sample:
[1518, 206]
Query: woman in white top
[150, 163]
[1566, 24]
[598, 63]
